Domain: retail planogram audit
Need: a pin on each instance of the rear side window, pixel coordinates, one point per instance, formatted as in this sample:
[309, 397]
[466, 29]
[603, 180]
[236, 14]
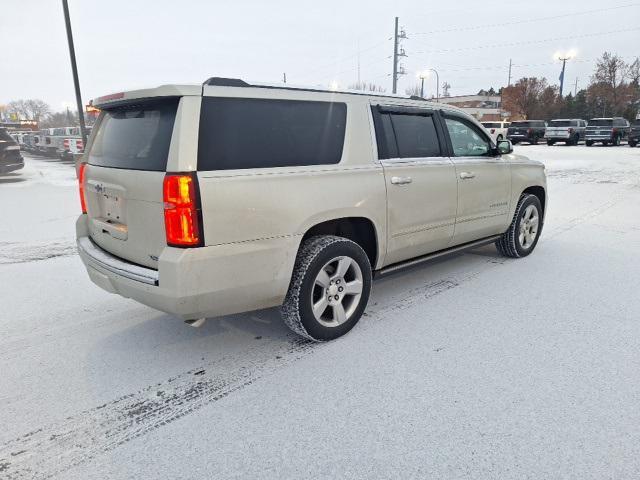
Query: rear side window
[238, 133]
[135, 137]
[411, 135]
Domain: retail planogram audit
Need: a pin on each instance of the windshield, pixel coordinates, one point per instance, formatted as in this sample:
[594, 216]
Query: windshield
[134, 137]
[563, 123]
[601, 122]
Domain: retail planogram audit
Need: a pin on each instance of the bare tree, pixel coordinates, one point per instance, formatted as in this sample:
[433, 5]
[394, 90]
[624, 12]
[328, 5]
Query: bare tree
[413, 91]
[19, 108]
[37, 109]
[524, 96]
[366, 87]
[445, 89]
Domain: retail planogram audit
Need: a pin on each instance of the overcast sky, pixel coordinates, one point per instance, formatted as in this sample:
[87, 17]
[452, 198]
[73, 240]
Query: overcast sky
[126, 44]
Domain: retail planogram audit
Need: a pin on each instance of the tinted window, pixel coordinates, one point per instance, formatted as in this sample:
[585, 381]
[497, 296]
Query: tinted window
[416, 136]
[491, 125]
[520, 124]
[563, 123]
[466, 139]
[257, 133]
[601, 122]
[134, 137]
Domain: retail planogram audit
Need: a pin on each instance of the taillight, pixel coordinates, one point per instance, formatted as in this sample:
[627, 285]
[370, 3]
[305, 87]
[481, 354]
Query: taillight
[181, 210]
[530, 131]
[79, 146]
[493, 130]
[65, 142]
[571, 130]
[81, 172]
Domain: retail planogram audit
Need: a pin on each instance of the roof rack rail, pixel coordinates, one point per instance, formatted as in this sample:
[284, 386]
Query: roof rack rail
[225, 82]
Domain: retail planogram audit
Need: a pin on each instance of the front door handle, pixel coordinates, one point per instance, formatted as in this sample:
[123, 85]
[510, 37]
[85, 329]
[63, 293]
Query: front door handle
[401, 180]
[467, 175]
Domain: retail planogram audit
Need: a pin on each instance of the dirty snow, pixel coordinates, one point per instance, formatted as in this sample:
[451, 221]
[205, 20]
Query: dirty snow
[477, 367]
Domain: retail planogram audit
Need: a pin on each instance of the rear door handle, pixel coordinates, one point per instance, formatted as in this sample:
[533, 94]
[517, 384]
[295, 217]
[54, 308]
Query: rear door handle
[467, 175]
[401, 180]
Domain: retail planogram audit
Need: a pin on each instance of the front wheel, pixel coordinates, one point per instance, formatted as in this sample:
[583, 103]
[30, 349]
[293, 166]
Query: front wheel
[329, 288]
[523, 233]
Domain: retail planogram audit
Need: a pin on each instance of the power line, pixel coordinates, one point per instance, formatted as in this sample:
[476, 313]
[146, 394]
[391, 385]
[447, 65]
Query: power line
[531, 42]
[530, 20]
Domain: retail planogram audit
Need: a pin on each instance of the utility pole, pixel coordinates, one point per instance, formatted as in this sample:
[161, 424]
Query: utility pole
[284, 77]
[509, 82]
[358, 63]
[564, 63]
[398, 52]
[74, 70]
[575, 88]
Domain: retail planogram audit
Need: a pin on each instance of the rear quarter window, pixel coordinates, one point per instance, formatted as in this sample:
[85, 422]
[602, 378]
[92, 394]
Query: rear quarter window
[134, 136]
[241, 133]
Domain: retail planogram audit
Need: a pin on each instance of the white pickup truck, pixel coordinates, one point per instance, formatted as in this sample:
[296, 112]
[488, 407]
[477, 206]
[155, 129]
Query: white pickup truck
[497, 130]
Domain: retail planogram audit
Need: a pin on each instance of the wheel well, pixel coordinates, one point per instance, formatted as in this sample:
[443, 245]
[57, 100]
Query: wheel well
[357, 229]
[538, 192]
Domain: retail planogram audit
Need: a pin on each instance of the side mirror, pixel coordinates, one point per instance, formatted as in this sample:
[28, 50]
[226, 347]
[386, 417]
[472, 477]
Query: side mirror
[505, 147]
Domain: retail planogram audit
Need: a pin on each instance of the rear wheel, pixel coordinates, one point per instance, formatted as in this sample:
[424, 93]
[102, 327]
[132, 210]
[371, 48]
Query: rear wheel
[550, 142]
[523, 233]
[329, 288]
[616, 141]
[632, 143]
[589, 143]
[605, 143]
[534, 140]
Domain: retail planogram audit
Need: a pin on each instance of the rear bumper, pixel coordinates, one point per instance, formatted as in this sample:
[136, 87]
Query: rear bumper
[198, 282]
[524, 138]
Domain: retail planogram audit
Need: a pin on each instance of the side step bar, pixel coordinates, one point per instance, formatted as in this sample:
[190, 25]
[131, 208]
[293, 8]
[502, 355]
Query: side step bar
[434, 256]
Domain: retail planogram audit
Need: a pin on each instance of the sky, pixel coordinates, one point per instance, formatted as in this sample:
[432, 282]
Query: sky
[122, 45]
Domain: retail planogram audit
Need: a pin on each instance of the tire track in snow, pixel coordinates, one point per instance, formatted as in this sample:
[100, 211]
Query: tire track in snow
[53, 449]
[17, 252]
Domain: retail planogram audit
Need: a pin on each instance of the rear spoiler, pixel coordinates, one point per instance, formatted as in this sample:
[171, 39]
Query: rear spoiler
[115, 99]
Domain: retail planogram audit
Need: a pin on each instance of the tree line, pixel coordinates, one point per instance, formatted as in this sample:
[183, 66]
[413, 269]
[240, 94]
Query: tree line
[613, 91]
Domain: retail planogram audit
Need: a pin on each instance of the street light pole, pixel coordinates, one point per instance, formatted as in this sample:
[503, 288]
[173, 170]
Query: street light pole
[437, 84]
[421, 87]
[74, 70]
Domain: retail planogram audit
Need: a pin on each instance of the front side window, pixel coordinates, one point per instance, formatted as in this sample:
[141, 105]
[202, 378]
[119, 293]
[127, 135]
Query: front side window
[466, 139]
[241, 133]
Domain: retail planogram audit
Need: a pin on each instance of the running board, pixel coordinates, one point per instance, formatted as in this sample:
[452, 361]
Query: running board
[434, 256]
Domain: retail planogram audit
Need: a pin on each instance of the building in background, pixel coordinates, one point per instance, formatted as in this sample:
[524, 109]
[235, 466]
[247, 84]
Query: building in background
[482, 107]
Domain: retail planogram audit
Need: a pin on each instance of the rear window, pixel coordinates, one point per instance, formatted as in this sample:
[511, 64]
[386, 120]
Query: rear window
[490, 125]
[135, 137]
[601, 122]
[521, 124]
[239, 133]
[563, 123]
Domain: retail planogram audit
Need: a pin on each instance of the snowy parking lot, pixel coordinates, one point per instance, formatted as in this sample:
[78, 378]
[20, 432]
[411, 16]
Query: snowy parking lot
[476, 367]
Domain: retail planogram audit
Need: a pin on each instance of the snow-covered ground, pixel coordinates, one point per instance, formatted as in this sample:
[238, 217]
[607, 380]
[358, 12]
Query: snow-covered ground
[477, 367]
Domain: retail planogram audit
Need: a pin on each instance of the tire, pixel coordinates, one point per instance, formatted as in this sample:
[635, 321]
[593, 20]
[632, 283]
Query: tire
[550, 142]
[632, 144]
[534, 140]
[589, 143]
[576, 139]
[514, 142]
[514, 243]
[616, 141]
[326, 254]
[605, 143]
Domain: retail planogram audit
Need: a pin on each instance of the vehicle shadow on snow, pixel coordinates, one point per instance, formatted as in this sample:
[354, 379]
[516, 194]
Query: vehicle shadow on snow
[11, 178]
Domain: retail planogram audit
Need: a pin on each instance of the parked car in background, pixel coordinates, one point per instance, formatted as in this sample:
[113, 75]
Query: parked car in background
[526, 131]
[186, 198]
[497, 130]
[569, 131]
[634, 133]
[10, 158]
[608, 131]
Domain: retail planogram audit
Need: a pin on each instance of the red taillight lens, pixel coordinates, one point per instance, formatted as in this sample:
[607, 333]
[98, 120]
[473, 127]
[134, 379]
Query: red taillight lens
[81, 173]
[571, 130]
[181, 212]
[66, 143]
[79, 146]
[530, 131]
